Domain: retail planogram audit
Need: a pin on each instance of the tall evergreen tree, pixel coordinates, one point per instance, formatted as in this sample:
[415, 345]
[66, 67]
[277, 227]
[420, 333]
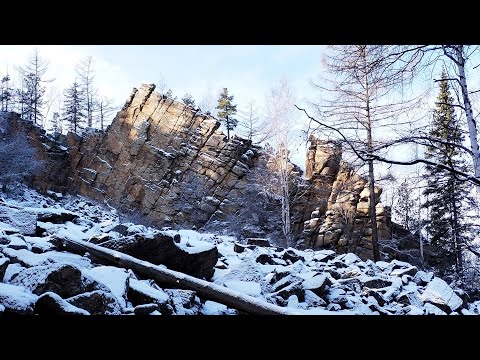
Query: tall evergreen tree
[447, 226]
[74, 101]
[227, 111]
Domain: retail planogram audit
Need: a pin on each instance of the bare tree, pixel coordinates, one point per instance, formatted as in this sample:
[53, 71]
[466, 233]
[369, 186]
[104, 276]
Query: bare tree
[17, 155]
[358, 100]
[32, 89]
[281, 117]
[86, 75]
[251, 126]
[104, 108]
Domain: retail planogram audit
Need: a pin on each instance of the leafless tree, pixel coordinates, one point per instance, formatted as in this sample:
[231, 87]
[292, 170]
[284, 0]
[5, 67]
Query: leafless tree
[86, 75]
[251, 126]
[281, 117]
[358, 99]
[32, 91]
[17, 155]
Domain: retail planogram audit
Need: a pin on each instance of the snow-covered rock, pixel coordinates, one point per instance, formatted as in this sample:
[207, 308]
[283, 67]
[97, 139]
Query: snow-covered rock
[52, 304]
[97, 303]
[16, 299]
[439, 293]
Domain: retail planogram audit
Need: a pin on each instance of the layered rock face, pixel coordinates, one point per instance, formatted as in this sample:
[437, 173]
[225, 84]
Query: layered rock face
[340, 219]
[171, 165]
[163, 159]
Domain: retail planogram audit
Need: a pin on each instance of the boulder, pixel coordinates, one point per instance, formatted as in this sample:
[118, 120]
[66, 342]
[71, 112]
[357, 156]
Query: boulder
[291, 255]
[318, 284]
[97, 303]
[4, 262]
[145, 309]
[161, 248]
[52, 304]
[65, 280]
[258, 242]
[440, 294]
[17, 300]
[141, 292]
[57, 217]
[23, 221]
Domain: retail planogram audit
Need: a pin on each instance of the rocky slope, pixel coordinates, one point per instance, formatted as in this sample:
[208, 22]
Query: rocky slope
[39, 278]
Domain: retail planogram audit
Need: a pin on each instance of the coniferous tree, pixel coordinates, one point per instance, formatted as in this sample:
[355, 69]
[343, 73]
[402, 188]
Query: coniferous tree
[188, 100]
[447, 226]
[227, 111]
[86, 75]
[74, 107]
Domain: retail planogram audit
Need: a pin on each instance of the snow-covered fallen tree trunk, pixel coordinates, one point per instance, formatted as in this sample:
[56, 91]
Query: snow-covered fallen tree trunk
[177, 279]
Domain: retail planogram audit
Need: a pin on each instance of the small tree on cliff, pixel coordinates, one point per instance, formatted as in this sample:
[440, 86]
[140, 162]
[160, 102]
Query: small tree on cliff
[74, 107]
[406, 207]
[227, 111]
[188, 100]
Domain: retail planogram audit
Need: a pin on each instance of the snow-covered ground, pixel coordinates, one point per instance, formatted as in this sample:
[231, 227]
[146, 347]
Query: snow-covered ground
[37, 277]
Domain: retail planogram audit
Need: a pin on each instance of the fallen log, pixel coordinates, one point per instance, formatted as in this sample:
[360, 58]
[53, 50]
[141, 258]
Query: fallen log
[177, 279]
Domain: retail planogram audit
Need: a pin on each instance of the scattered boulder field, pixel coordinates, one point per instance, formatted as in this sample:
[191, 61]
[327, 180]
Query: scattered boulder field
[39, 277]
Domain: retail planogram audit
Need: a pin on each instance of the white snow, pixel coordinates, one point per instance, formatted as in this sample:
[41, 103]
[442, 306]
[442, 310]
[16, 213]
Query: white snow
[438, 292]
[17, 298]
[113, 278]
[147, 289]
[246, 287]
[433, 310]
[213, 308]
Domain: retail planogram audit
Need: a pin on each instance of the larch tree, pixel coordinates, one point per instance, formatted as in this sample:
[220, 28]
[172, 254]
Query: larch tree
[73, 112]
[446, 194]
[86, 74]
[251, 126]
[227, 111]
[33, 89]
[105, 109]
[357, 100]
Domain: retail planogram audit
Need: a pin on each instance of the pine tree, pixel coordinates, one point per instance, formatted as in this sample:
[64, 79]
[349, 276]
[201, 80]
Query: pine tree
[447, 226]
[188, 100]
[227, 111]
[74, 107]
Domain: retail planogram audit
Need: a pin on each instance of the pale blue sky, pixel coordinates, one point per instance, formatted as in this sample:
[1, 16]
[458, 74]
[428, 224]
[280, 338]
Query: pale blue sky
[247, 71]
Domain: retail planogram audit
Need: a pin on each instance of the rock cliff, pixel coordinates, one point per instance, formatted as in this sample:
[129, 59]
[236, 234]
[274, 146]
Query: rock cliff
[170, 164]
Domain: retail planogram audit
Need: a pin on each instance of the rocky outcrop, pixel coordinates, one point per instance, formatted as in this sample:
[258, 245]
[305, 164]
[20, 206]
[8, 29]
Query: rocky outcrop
[162, 158]
[341, 198]
[168, 163]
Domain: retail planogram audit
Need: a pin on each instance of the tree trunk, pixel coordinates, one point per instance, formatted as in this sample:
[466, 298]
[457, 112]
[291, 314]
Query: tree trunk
[472, 125]
[371, 174]
[456, 239]
[177, 279]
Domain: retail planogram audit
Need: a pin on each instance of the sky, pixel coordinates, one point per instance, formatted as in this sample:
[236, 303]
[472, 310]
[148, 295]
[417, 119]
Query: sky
[248, 71]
